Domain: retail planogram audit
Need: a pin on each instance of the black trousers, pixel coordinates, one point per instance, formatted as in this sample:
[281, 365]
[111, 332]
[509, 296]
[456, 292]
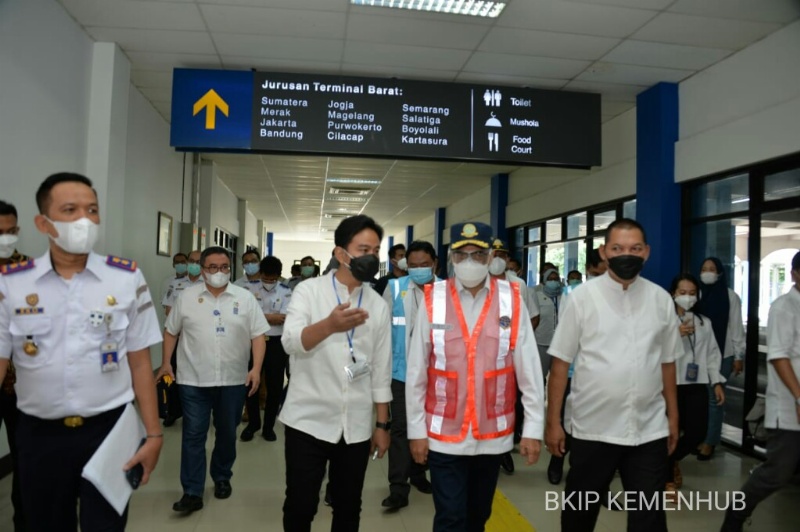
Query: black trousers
[643, 469]
[272, 373]
[693, 419]
[401, 466]
[51, 458]
[10, 415]
[306, 458]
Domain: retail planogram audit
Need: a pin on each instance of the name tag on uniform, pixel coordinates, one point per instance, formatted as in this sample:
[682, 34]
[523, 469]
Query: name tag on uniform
[691, 372]
[220, 331]
[108, 357]
[442, 326]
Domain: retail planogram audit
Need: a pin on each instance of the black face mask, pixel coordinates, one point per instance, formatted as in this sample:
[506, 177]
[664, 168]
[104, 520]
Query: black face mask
[364, 268]
[626, 267]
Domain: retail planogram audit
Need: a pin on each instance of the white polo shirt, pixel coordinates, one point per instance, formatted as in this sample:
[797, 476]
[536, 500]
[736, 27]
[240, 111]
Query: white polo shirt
[321, 401]
[618, 340]
[527, 368]
[70, 322]
[215, 334]
[707, 356]
[783, 341]
[176, 286]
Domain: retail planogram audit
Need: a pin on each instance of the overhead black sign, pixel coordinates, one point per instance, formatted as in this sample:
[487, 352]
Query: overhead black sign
[385, 117]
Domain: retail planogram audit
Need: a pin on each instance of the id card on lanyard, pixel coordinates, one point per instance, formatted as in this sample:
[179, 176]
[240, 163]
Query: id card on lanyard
[358, 368]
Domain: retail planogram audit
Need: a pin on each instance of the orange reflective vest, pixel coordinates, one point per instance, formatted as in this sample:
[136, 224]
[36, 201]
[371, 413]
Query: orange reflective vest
[471, 379]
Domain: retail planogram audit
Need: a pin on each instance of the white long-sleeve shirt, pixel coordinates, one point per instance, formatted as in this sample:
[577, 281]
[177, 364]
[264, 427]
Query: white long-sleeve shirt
[783, 341]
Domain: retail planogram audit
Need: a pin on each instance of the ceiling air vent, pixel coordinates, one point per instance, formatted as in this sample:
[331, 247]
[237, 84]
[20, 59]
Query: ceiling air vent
[336, 215]
[350, 191]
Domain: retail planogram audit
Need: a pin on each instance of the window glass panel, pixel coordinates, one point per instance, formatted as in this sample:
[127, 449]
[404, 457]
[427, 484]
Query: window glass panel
[534, 234]
[532, 276]
[555, 254]
[782, 185]
[629, 209]
[553, 230]
[519, 238]
[603, 219]
[574, 257]
[576, 225]
[722, 196]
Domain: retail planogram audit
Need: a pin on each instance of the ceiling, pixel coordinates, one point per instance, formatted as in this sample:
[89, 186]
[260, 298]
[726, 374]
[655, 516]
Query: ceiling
[613, 47]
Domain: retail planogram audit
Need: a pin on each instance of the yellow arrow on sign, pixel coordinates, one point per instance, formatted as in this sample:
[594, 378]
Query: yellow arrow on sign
[211, 101]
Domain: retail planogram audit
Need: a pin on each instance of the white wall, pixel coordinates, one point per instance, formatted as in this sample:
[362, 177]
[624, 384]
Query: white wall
[742, 110]
[251, 229]
[291, 250]
[473, 208]
[423, 229]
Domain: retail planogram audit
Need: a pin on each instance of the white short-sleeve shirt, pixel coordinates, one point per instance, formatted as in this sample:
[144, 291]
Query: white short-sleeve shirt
[618, 340]
[783, 341]
[72, 322]
[215, 334]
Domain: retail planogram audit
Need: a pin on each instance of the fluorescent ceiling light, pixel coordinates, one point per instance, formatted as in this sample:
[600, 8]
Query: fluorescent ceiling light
[474, 8]
[742, 200]
[354, 181]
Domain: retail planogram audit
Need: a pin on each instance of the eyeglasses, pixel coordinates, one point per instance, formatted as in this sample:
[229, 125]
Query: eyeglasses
[225, 268]
[12, 231]
[480, 255]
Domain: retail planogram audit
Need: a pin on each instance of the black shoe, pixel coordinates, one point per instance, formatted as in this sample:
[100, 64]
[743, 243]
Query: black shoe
[732, 522]
[269, 435]
[169, 421]
[222, 489]
[423, 485]
[328, 499]
[507, 463]
[188, 504]
[395, 502]
[248, 433]
[555, 470]
[706, 457]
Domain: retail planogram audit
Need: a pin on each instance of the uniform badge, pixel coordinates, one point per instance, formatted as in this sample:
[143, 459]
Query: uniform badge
[96, 318]
[30, 347]
[469, 231]
[235, 308]
[199, 299]
[505, 322]
[111, 300]
[32, 299]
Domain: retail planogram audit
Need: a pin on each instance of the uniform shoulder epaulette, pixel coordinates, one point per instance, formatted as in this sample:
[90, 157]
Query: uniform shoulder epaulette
[15, 267]
[122, 264]
[286, 286]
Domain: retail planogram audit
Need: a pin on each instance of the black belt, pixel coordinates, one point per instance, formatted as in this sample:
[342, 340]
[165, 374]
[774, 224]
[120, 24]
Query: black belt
[74, 422]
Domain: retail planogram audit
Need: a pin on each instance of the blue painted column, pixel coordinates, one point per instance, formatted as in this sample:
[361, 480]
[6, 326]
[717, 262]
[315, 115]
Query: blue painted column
[268, 250]
[499, 202]
[438, 241]
[409, 235]
[658, 199]
[389, 267]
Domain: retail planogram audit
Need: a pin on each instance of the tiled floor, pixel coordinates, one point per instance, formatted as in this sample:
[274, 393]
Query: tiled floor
[258, 485]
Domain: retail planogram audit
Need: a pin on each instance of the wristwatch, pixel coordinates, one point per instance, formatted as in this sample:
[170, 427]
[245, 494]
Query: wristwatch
[384, 426]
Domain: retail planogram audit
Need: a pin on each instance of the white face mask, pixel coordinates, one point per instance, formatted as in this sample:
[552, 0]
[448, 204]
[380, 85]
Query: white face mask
[78, 237]
[269, 286]
[218, 280]
[470, 273]
[497, 266]
[685, 301]
[402, 264]
[709, 277]
[7, 243]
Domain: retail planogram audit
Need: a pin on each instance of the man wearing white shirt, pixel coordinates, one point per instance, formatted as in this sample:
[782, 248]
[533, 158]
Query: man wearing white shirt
[622, 408]
[472, 347]
[782, 414]
[179, 264]
[219, 325]
[338, 335]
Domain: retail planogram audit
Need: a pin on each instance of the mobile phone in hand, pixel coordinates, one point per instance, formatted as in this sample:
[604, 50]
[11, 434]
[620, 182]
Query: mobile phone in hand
[134, 474]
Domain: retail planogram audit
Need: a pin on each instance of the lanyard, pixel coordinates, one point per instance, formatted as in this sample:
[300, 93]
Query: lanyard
[555, 317]
[353, 330]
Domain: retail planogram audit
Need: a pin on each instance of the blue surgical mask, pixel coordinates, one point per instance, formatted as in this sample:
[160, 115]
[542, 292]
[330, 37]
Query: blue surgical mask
[193, 269]
[420, 275]
[251, 268]
[180, 269]
[552, 288]
[574, 282]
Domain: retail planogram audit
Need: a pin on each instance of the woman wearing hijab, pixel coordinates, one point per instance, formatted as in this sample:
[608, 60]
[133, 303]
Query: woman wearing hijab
[724, 308]
[548, 299]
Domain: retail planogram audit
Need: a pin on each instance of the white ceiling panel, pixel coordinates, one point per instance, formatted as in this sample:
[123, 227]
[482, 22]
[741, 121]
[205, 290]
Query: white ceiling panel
[522, 65]
[570, 17]
[152, 78]
[304, 5]
[426, 74]
[632, 74]
[267, 21]
[418, 32]
[704, 31]
[145, 15]
[157, 61]
[278, 47]
[610, 91]
[639, 4]
[665, 55]
[513, 81]
[157, 94]
[404, 56]
[780, 11]
[166, 41]
[236, 62]
[546, 44]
